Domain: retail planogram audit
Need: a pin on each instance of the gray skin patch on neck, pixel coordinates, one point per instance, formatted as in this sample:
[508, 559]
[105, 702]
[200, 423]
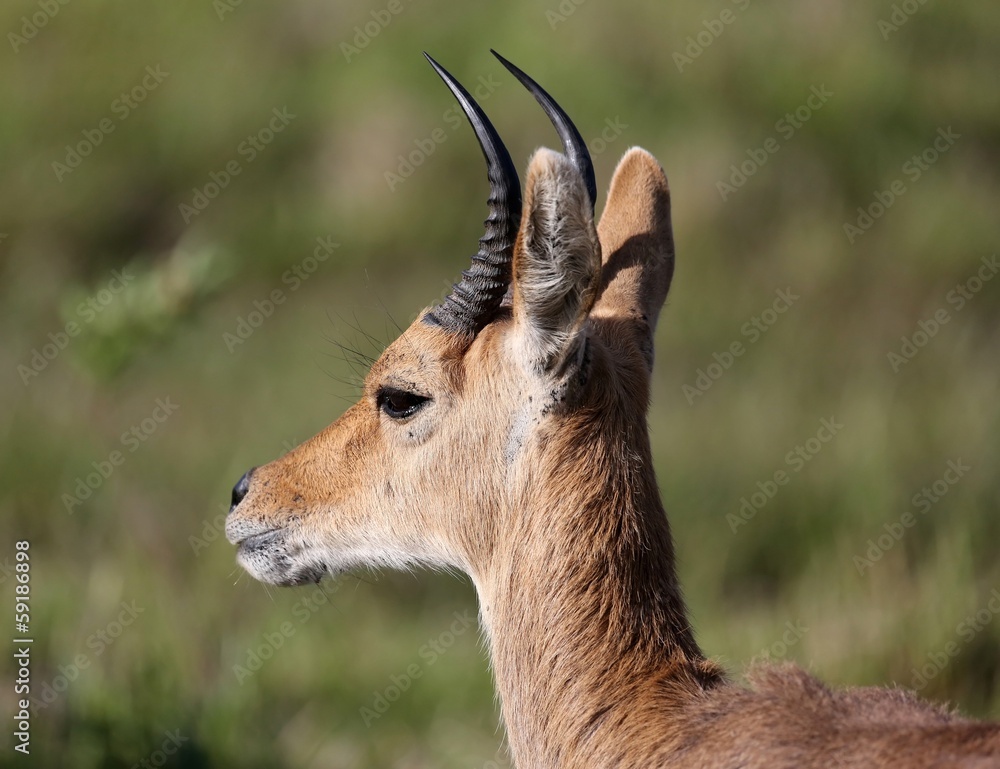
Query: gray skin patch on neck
[533, 411]
[518, 432]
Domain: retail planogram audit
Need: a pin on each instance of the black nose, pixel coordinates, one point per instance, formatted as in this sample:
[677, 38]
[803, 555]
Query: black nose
[240, 489]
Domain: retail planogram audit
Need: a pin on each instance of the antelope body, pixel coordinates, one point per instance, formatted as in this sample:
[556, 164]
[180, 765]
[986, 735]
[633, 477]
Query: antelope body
[504, 434]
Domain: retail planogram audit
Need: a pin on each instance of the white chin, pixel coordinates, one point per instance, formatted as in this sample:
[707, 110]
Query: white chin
[279, 569]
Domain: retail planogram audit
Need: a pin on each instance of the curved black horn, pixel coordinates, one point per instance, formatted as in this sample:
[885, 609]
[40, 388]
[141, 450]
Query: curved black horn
[474, 300]
[573, 144]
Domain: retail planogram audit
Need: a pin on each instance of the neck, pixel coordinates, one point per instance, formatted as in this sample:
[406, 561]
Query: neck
[589, 634]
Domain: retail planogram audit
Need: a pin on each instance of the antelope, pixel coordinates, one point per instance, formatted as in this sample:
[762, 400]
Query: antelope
[504, 434]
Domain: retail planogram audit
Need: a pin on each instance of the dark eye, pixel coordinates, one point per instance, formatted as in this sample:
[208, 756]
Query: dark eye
[399, 404]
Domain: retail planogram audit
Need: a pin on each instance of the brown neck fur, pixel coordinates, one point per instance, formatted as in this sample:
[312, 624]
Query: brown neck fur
[587, 624]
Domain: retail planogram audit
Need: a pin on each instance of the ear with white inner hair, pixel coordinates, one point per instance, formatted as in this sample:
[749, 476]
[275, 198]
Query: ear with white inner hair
[557, 263]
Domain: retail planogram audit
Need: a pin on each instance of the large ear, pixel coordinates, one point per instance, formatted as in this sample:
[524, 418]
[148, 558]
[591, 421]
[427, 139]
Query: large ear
[638, 245]
[557, 263]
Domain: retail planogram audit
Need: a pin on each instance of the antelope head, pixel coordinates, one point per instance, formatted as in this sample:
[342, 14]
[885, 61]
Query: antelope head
[503, 434]
[494, 424]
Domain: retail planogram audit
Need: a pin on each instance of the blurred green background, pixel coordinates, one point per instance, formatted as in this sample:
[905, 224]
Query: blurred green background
[705, 87]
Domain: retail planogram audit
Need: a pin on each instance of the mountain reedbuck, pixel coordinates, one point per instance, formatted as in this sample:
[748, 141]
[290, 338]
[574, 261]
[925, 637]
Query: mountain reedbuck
[504, 434]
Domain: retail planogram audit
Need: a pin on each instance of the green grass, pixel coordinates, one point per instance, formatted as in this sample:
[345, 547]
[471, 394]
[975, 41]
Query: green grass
[793, 562]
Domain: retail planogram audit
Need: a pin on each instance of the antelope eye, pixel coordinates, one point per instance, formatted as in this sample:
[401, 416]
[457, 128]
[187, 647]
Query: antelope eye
[399, 404]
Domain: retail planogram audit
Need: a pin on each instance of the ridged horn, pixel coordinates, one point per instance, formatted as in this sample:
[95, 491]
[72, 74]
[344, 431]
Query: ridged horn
[573, 144]
[475, 299]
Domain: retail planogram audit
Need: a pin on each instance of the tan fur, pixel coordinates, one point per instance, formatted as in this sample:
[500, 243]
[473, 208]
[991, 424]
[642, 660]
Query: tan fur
[530, 469]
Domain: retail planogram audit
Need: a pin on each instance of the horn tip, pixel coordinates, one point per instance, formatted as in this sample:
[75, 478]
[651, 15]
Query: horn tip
[437, 67]
[510, 66]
